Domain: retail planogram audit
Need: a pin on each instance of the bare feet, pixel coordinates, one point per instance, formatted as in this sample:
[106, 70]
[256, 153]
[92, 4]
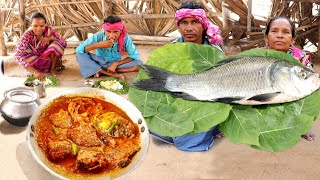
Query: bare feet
[219, 136]
[115, 75]
[309, 136]
[130, 69]
[97, 75]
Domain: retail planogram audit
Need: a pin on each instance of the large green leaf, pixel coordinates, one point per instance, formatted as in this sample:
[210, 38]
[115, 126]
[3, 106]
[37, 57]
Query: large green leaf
[281, 125]
[242, 126]
[125, 86]
[282, 132]
[173, 57]
[205, 115]
[183, 58]
[270, 53]
[48, 82]
[269, 127]
[309, 105]
[170, 122]
[204, 58]
[146, 102]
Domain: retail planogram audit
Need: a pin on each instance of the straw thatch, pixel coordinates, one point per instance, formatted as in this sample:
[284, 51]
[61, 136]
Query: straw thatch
[156, 18]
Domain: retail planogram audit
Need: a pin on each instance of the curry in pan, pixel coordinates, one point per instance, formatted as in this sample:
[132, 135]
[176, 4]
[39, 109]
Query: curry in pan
[86, 135]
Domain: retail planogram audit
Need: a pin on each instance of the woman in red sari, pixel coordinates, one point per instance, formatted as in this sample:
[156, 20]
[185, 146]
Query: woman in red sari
[40, 48]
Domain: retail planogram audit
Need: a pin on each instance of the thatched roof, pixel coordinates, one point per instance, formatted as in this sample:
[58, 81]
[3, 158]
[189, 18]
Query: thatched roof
[155, 18]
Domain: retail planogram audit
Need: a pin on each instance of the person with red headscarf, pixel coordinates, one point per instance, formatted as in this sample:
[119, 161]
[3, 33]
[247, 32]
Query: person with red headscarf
[115, 51]
[195, 27]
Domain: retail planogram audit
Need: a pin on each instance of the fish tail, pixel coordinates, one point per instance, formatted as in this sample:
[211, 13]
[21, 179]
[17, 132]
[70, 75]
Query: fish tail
[157, 82]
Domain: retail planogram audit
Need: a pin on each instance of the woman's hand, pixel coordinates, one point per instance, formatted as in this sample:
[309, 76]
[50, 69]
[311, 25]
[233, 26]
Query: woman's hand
[39, 75]
[46, 40]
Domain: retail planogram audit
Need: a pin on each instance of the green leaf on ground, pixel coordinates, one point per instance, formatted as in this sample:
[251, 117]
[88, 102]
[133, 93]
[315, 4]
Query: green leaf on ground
[267, 127]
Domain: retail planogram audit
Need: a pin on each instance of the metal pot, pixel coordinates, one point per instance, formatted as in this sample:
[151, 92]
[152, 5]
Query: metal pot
[119, 101]
[18, 105]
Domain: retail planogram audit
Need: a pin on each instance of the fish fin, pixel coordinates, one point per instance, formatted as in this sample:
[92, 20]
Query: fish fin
[228, 100]
[156, 73]
[226, 61]
[157, 81]
[150, 85]
[264, 97]
[183, 95]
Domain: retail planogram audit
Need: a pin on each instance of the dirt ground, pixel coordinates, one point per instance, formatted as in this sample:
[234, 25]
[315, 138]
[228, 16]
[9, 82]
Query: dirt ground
[224, 160]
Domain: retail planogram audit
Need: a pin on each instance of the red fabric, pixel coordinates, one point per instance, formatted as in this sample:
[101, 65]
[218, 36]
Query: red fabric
[117, 26]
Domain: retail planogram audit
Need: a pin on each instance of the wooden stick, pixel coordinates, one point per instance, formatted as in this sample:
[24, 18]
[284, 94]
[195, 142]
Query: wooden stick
[3, 49]
[22, 17]
[255, 33]
[8, 9]
[157, 16]
[152, 38]
[137, 39]
[249, 16]
[318, 36]
[225, 17]
[307, 26]
[103, 7]
[64, 3]
[77, 25]
[148, 43]
[307, 1]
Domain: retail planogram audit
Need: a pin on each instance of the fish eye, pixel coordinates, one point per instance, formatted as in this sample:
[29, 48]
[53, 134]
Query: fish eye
[303, 75]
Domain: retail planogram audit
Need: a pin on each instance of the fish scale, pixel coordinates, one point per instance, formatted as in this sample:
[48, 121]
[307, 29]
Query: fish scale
[241, 80]
[245, 81]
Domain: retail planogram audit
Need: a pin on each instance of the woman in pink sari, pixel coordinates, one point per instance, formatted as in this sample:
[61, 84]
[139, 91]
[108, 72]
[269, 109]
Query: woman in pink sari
[279, 35]
[40, 48]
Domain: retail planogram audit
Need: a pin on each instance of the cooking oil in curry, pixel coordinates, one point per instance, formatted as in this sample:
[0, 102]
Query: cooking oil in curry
[67, 166]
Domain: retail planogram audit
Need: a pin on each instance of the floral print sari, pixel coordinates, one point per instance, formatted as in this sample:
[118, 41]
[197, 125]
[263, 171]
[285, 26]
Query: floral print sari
[300, 55]
[30, 51]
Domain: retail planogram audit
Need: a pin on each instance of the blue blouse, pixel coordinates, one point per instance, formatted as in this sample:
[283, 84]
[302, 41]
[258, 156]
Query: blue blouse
[111, 53]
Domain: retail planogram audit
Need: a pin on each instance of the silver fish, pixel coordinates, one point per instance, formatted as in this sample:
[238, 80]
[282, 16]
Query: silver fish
[240, 80]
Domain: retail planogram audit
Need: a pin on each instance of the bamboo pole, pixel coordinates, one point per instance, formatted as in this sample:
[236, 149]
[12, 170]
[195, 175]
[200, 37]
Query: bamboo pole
[151, 38]
[139, 39]
[77, 25]
[319, 34]
[65, 26]
[103, 7]
[158, 16]
[63, 3]
[245, 27]
[149, 43]
[249, 4]
[225, 17]
[8, 9]
[307, 26]
[307, 1]
[109, 7]
[3, 49]
[22, 17]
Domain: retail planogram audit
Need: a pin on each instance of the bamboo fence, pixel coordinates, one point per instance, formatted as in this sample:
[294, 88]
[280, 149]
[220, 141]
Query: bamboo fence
[151, 20]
